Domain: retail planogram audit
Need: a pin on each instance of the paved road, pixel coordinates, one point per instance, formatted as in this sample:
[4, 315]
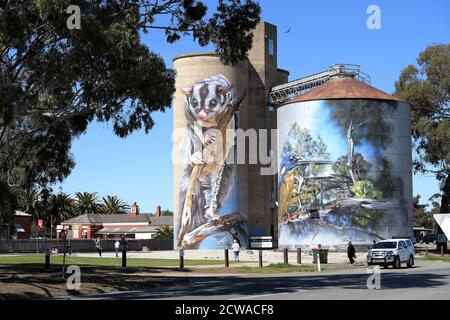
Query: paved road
[428, 280]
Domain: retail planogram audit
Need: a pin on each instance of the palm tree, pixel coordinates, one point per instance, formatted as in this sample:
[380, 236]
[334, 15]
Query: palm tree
[60, 207]
[164, 233]
[113, 205]
[87, 202]
[29, 202]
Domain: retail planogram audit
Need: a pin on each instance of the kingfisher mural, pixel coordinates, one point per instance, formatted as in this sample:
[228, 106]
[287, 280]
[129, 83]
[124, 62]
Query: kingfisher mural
[337, 180]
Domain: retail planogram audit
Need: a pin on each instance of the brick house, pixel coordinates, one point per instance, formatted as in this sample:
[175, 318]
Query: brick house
[22, 224]
[134, 225]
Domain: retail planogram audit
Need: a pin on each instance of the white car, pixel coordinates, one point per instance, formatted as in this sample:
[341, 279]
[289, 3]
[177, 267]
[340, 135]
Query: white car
[392, 252]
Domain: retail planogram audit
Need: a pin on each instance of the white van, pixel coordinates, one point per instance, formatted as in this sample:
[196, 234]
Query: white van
[392, 252]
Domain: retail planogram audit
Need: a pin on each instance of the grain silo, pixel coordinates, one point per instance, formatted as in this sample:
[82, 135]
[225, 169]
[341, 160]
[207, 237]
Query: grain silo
[215, 203]
[344, 152]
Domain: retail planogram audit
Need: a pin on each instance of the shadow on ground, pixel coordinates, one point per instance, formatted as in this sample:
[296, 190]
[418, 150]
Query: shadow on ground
[207, 287]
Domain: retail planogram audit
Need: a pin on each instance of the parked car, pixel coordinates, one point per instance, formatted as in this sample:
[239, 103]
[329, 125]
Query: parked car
[392, 252]
[429, 237]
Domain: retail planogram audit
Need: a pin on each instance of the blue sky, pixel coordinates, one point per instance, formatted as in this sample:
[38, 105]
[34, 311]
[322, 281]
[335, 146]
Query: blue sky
[138, 168]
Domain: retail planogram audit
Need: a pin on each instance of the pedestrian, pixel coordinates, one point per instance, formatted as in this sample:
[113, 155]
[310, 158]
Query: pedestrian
[236, 248]
[123, 243]
[98, 245]
[351, 253]
[116, 247]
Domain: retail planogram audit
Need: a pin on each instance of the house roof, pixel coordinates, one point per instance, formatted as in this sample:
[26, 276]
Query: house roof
[97, 218]
[160, 221]
[21, 214]
[128, 230]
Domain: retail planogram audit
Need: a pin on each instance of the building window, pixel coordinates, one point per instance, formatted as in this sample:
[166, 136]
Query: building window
[271, 47]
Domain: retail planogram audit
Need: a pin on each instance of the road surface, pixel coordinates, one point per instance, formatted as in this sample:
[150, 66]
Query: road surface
[427, 280]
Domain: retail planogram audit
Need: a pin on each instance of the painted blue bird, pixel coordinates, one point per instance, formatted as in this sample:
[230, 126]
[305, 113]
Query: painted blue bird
[289, 162]
[286, 181]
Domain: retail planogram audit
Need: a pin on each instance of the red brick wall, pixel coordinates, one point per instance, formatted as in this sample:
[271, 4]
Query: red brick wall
[25, 222]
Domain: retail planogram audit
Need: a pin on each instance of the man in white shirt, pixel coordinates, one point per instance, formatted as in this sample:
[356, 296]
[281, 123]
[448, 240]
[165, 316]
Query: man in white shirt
[236, 247]
[116, 247]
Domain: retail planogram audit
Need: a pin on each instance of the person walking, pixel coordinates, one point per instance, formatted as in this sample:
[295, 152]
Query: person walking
[123, 243]
[351, 253]
[236, 248]
[98, 245]
[117, 247]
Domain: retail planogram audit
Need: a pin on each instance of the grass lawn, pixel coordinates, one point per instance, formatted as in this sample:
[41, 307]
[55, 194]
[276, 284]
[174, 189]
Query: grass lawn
[107, 262]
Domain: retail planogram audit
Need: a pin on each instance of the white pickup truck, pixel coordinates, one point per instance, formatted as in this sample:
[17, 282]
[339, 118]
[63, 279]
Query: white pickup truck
[392, 252]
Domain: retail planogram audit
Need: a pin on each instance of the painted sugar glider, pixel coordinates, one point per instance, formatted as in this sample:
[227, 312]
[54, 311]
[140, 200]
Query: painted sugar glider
[206, 100]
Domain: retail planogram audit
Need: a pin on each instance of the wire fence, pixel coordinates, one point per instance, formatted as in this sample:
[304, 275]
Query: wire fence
[83, 245]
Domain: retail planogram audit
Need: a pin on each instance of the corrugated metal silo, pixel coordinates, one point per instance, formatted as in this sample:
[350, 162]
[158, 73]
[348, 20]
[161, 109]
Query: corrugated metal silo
[344, 152]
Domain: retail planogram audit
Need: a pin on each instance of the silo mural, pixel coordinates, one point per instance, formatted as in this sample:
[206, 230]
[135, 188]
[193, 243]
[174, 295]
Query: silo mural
[208, 214]
[344, 171]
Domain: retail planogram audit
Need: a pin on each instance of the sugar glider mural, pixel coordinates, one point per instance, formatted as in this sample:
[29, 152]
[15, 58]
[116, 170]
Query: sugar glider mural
[344, 172]
[208, 214]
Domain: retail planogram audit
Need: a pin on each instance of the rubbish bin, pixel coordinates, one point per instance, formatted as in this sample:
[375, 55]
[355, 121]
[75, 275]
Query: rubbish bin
[322, 253]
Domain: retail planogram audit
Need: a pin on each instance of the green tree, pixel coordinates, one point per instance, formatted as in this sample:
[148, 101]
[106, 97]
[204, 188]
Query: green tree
[166, 213]
[361, 166]
[421, 216]
[87, 202]
[306, 147]
[54, 80]
[165, 233]
[113, 205]
[8, 203]
[61, 207]
[427, 88]
[365, 189]
[30, 202]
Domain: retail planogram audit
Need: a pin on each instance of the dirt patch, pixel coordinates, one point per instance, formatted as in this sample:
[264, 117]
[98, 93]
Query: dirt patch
[29, 282]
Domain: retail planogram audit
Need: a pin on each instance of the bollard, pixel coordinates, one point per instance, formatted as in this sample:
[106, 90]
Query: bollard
[181, 254]
[299, 255]
[260, 258]
[286, 256]
[426, 251]
[47, 259]
[442, 250]
[227, 261]
[124, 259]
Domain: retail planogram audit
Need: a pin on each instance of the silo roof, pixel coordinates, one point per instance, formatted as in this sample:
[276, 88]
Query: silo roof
[343, 88]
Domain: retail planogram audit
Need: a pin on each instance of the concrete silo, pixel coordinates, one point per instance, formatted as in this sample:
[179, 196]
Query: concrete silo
[344, 152]
[219, 202]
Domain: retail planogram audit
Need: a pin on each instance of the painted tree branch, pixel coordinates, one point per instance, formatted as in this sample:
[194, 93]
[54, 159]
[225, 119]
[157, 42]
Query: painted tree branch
[225, 223]
[186, 216]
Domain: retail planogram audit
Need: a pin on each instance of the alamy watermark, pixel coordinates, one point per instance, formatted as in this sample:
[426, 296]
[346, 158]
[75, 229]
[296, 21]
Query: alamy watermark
[74, 280]
[74, 20]
[374, 20]
[374, 280]
[235, 146]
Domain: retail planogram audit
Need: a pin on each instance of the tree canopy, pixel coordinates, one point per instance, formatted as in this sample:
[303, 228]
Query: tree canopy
[55, 80]
[427, 87]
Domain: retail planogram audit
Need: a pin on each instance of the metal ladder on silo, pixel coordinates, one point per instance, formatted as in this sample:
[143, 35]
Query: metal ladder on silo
[286, 91]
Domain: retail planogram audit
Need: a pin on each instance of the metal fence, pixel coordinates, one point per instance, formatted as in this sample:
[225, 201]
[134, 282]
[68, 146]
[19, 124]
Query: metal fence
[84, 245]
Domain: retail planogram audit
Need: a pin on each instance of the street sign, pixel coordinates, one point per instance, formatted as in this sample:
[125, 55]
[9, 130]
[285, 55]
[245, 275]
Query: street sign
[443, 220]
[263, 242]
[441, 238]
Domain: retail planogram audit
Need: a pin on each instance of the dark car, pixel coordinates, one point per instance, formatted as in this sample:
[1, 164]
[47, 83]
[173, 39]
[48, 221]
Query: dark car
[430, 237]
